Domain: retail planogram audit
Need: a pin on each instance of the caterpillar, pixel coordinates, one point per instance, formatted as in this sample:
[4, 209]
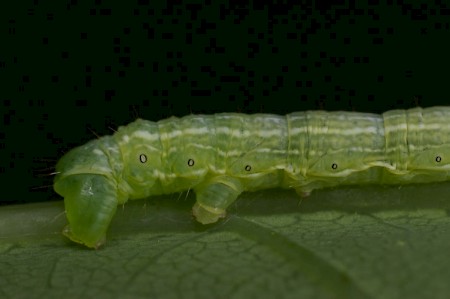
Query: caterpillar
[222, 155]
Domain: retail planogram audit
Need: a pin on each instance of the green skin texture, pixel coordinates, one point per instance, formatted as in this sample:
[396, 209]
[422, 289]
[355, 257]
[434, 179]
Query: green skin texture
[220, 156]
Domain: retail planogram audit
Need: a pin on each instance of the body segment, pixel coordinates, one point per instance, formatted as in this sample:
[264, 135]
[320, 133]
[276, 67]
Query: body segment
[220, 156]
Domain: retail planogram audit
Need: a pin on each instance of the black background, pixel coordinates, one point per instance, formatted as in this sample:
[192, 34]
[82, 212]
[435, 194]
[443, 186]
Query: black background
[69, 70]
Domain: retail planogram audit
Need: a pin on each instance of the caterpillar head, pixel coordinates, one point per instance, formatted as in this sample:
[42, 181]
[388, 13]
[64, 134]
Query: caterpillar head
[88, 182]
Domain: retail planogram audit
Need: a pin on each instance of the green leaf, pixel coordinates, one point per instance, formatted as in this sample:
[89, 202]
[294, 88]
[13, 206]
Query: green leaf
[368, 242]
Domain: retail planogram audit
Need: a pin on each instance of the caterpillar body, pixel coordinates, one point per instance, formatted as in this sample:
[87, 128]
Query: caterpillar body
[222, 155]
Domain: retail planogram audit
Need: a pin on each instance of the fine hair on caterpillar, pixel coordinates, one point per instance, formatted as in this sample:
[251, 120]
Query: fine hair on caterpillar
[45, 171]
[222, 155]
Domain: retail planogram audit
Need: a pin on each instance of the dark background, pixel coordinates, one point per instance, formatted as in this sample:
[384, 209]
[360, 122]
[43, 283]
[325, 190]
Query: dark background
[71, 70]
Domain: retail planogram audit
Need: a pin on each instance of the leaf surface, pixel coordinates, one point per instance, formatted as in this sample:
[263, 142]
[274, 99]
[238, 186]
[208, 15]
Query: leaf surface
[368, 242]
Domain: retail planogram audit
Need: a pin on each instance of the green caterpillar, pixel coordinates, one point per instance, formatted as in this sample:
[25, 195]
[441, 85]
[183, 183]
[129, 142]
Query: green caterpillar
[220, 156]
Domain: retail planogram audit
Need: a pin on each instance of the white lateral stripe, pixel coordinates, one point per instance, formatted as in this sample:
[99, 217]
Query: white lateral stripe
[398, 127]
[146, 135]
[335, 131]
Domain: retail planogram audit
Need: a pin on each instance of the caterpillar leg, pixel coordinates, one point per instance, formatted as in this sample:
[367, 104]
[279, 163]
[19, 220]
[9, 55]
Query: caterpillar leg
[90, 202]
[214, 197]
[303, 193]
